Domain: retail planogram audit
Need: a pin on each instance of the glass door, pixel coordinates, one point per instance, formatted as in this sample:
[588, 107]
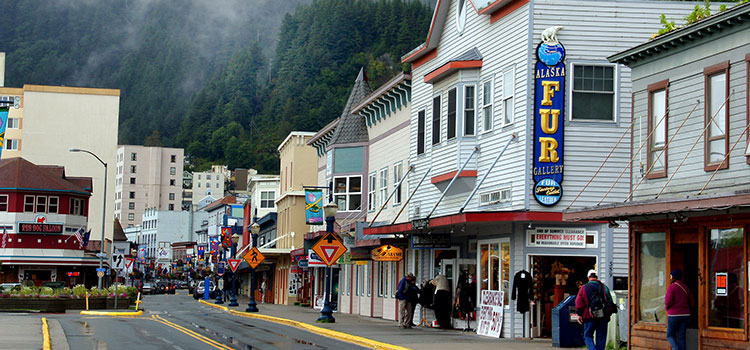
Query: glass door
[493, 267]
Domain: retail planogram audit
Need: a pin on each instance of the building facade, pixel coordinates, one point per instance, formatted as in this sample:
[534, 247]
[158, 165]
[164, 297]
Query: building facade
[208, 183]
[147, 177]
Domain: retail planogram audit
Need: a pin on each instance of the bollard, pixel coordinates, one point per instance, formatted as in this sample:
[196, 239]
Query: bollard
[87, 301]
[137, 301]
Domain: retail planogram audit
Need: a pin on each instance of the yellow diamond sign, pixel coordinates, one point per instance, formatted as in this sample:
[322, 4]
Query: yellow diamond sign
[254, 257]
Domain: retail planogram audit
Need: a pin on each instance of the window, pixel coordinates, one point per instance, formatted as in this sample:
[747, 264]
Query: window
[658, 127]
[726, 308]
[461, 16]
[41, 204]
[383, 186]
[76, 206]
[494, 267]
[28, 204]
[199, 176]
[593, 93]
[199, 184]
[487, 105]
[171, 196]
[172, 182]
[53, 205]
[173, 158]
[132, 169]
[208, 177]
[509, 84]
[420, 132]
[266, 199]
[4, 202]
[217, 185]
[436, 120]
[381, 279]
[132, 194]
[13, 123]
[133, 156]
[368, 279]
[371, 188]
[652, 263]
[172, 171]
[347, 192]
[131, 217]
[716, 116]
[451, 114]
[11, 145]
[132, 181]
[398, 173]
[394, 283]
[469, 108]
[171, 207]
[131, 205]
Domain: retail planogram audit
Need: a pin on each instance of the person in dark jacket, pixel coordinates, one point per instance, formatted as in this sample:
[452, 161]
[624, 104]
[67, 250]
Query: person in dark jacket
[590, 324]
[406, 299]
[678, 302]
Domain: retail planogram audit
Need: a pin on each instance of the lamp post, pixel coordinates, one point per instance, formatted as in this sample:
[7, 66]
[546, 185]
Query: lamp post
[326, 315]
[233, 300]
[252, 306]
[104, 210]
[219, 292]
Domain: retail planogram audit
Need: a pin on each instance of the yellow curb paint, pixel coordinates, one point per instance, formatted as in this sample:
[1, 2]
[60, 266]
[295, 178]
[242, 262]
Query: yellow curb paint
[190, 333]
[323, 331]
[45, 332]
[111, 313]
[224, 308]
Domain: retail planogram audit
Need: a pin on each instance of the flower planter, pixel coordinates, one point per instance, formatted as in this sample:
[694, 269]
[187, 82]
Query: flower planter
[122, 303]
[97, 303]
[54, 305]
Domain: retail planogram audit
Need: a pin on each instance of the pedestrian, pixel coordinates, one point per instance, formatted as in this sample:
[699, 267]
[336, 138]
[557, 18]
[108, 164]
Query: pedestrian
[678, 302]
[591, 302]
[412, 298]
[263, 289]
[442, 302]
[404, 309]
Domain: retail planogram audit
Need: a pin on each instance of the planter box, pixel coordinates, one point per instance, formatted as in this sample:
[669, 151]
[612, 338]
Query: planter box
[96, 303]
[122, 303]
[55, 305]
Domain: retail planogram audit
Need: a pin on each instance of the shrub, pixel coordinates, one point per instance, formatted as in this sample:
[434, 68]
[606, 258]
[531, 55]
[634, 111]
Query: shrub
[80, 291]
[46, 291]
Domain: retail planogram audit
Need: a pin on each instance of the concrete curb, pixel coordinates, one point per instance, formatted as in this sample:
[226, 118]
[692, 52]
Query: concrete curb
[45, 333]
[57, 335]
[111, 313]
[223, 308]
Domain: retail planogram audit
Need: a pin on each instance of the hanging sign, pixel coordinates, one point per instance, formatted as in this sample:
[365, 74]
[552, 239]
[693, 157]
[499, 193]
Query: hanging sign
[557, 237]
[3, 124]
[387, 253]
[490, 320]
[549, 119]
[314, 207]
[431, 241]
[201, 251]
[721, 284]
[226, 237]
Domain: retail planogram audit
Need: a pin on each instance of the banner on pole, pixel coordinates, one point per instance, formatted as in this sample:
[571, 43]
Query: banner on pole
[314, 207]
[3, 125]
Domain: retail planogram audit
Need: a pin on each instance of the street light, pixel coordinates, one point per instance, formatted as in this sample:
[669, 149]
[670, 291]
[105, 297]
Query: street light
[104, 211]
[219, 289]
[252, 306]
[326, 315]
[233, 300]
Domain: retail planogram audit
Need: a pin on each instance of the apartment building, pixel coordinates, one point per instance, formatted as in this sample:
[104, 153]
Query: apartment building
[209, 183]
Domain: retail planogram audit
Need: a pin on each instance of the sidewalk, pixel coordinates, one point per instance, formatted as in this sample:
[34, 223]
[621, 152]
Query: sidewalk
[387, 331]
[21, 331]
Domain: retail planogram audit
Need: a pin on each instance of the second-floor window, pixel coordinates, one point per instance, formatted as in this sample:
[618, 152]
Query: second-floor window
[398, 170]
[266, 199]
[347, 192]
[509, 83]
[487, 105]
[469, 110]
[593, 93]
[383, 185]
[11, 144]
[436, 120]
[420, 132]
[716, 116]
[4, 202]
[53, 205]
[657, 122]
[371, 190]
[76, 206]
[451, 114]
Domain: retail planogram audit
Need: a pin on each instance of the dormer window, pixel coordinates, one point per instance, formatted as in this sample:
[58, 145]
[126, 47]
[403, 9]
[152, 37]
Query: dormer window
[461, 16]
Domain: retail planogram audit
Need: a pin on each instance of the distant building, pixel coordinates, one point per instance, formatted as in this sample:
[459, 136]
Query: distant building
[209, 183]
[263, 190]
[165, 227]
[147, 177]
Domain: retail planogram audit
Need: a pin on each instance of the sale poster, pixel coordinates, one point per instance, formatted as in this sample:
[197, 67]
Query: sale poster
[490, 320]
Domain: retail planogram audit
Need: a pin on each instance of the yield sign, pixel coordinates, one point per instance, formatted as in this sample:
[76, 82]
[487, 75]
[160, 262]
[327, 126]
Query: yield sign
[129, 263]
[234, 264]
[254, 257]
[329, 249]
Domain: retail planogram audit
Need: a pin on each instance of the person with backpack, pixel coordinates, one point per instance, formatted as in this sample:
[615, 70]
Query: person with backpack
[678, 302]
[595, 304]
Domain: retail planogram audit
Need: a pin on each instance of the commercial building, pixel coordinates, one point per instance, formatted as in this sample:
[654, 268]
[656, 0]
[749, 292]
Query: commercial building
[688, 202]
[147, 177]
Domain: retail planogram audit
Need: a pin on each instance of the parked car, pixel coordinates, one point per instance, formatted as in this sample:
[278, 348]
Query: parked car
[9, 286]
[200, 289]
[148, 288]
[182, 284]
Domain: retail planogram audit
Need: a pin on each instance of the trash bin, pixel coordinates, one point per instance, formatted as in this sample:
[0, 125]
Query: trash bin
[566, 331]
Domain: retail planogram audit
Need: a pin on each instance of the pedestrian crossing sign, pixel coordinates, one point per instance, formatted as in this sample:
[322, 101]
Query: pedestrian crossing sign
[254, 257]
[329, 249]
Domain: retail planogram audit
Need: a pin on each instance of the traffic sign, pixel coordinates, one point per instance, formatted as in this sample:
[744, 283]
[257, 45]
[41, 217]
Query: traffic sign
[220, 268]
[129, 263]
[329, 249]
[118, 261]
[254, 257]
[100, 274]
[234, 264]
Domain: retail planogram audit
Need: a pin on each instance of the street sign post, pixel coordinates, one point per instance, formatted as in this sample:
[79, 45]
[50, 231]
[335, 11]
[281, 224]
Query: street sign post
[329, 249]
[234, 264]
[254, 257]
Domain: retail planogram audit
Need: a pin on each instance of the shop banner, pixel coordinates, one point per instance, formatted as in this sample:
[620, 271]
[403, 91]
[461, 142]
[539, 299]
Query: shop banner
[226, 237]
[490, 321]
[201, 251]
[142, 255]
[314, 207]
[431, 241]
[557, 237]
[387, 253]
[213, 241]
[3, 124]
[313, 260]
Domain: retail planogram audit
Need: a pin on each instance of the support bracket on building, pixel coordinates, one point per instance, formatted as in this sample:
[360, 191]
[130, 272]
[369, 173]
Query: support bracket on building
[411, 167]
[476, 149]
[513, 137]
[411, 195]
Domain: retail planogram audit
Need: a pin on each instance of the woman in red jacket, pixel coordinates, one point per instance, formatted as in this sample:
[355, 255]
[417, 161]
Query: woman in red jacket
[677, 303]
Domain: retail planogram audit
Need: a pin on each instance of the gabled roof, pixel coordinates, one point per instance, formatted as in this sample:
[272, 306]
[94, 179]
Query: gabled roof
[20, 174]
[352, 127]
[221, 202]
[118, 234]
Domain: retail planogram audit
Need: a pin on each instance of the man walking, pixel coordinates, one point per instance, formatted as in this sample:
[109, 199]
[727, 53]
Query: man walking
[405, 309]
[591, 302]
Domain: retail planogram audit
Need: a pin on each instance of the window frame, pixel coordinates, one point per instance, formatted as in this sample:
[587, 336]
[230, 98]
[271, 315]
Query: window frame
[372, 179]
[451, 117]
[420, 131]
[654, 88]
[487, 104]
[615, 91]
[398, 173]
[634, 270]
[266, 200]
[708, 72]
[347, 193]
[4, 202]
[465, 110]
[26, 203]
[56, 206]
[436, 115]
[14, 123]
[714, 331]
[383, 185]
[11, 145]
[512, 96]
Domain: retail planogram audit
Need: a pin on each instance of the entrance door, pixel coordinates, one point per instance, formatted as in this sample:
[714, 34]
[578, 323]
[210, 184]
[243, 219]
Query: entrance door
[448, 268]
[684, 257]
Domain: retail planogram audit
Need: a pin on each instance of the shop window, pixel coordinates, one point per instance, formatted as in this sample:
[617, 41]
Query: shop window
[494, 267]
[716, 116]
[4, 203]
[487, 106]
[368, 279]
[653, 273]
[657, 127]
[348, 193]
[383, 186]
[727, 290]
[398, 173]
[394, 281]
[382, 283]
[451, 114]
[436, 120]
[420, 132]
[358, 280]
[509, 84]
[469, 110]
[266, 199]
[593, 93]
[371, 190]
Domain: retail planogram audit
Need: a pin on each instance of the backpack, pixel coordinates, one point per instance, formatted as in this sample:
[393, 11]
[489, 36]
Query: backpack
[601, 305]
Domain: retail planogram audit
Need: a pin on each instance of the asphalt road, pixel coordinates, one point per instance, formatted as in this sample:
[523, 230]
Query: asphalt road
[178, 322]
